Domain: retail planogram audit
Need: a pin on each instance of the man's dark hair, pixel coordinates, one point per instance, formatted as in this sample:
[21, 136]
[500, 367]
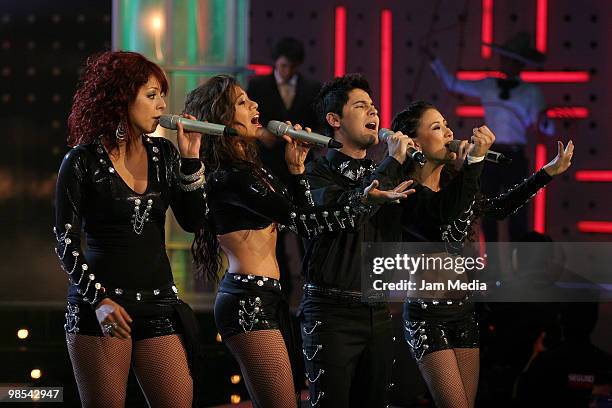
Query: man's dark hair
[289, 48]
[334, 95]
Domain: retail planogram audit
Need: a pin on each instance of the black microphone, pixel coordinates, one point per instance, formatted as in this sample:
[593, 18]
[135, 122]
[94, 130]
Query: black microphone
[414, 154]
[490, 156]
[170, 121]
[279, 129]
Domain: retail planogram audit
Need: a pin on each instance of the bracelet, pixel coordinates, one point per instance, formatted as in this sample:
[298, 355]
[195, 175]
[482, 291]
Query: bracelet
[193, 177]
[193, 186]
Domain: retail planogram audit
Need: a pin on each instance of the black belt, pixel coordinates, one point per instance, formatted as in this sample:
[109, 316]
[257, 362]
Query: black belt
[314, 290]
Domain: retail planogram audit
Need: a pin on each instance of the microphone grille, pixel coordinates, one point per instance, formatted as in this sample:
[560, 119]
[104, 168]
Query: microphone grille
[168, 121]
[383, 134]
[277, 127]
[453, 146]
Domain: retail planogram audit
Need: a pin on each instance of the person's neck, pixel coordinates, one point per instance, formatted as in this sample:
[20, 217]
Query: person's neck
[429, 175]
[349, 148]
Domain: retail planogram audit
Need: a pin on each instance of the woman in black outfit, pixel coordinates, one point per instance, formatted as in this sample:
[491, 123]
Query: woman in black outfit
[441, 328]
[116, 184]
[247, 205]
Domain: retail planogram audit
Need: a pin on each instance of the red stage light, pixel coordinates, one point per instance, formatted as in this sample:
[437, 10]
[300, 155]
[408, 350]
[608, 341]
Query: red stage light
[604, 176]
[541, 25]
[340, 42]
[487, 28]
[539, 203]
[386, 69]
[530, 76]
[260, 69]
[556, 112]
[602, 227]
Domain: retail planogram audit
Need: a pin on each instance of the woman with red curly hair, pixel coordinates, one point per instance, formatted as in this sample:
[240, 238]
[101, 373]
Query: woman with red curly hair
[116, 184]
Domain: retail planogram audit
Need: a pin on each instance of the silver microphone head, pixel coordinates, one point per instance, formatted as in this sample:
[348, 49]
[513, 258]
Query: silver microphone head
[168, 121]
[277, 128]
[383, 134]
[454, 145]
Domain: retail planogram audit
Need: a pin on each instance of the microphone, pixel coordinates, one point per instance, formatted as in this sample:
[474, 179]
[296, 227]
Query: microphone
[279, 129]
[414, 154]
[490, 156]
[170, 121]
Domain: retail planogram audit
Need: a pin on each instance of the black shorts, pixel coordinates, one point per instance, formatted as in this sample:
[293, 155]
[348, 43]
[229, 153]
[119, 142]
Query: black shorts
[154, 313]
[438, 325]
[247, 303]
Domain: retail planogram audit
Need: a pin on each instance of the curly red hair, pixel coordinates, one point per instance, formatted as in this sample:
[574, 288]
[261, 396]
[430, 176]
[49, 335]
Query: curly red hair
[108, 85]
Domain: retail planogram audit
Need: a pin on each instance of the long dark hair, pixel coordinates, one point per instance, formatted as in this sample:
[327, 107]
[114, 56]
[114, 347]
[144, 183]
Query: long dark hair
[108, 85]
[214, 101]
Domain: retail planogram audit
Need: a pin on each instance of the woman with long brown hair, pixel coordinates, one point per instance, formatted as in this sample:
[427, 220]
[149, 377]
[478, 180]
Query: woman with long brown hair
[247, 205]
[116, 184]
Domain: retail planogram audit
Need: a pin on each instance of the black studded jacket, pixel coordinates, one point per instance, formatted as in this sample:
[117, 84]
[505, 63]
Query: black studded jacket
[124, 230]
[242, 199]
[334, 260]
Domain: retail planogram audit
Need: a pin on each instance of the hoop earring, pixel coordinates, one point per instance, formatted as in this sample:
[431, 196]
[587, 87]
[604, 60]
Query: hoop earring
[120, 132]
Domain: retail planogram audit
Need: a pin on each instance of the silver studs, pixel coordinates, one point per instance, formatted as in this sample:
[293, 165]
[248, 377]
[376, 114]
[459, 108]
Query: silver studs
[138, 296]
[156, 292]
[68, 241]
[98, 286]
[111, 170]
[99, 150]
[260, 282]
[174, 289]
[155, 149]
[84, 267]
[155, 159]
[137, 201]
[92, 276]
[257, 299]
[119, 291]
[75, 253]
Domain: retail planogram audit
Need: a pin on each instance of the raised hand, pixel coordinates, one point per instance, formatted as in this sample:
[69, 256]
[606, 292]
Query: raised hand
[373, 196]
[296, 151]
[562, 161]
[483, 138]
[188, 142]
[398, 144]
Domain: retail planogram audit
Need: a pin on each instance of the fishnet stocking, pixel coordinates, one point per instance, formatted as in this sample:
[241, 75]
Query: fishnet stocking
[265, 366]
[101, 366]
[452, 376]
[468, 361]
[161, 367]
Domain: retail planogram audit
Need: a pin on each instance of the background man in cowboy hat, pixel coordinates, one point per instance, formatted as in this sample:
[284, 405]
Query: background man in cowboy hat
[513, 110]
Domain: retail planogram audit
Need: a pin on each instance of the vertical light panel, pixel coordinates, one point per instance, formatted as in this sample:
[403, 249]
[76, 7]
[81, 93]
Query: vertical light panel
[541, 25]
[539, 203]
[340, 42]
[487, 28]
[386, 70]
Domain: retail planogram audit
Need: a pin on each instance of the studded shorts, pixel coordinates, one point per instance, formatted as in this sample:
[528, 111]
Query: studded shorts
[154, 313]
[433, 326]
[247, 303]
